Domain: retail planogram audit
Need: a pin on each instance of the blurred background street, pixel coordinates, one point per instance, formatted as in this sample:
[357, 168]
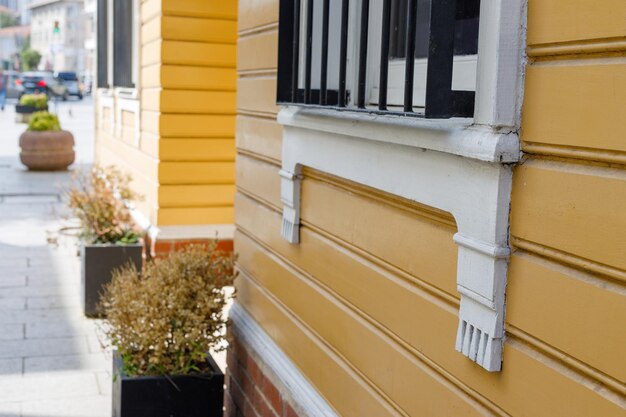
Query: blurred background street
[51, 363]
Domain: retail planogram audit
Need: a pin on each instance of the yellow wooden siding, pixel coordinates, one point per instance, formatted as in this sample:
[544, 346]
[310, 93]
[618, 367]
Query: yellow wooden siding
[182, 196]
[257, 14]
[580, 20]
[195, 215]
[576, 105]
[260, 136]
[408, 316]
[370, 291]
[257, 95]
[188, 83]
[567, 277]
[180, 149]
[248, 58]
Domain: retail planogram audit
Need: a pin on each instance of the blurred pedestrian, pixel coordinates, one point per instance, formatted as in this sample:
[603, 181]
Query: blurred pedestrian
[4, 79]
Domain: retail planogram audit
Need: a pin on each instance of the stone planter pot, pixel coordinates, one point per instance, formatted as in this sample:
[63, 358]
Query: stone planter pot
[97, 264]
[198, 395]
[23, 113]
[47, 150]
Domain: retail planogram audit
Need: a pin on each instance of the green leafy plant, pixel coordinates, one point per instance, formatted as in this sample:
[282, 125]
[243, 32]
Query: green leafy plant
[98, 199]
[164, 320]
[43, 121]
[38, 101]
[29, 58]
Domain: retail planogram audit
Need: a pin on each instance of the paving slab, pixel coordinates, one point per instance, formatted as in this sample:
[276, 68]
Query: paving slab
[50, 361]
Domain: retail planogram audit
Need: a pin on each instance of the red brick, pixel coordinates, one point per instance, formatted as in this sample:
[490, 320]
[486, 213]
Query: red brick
[273, 396]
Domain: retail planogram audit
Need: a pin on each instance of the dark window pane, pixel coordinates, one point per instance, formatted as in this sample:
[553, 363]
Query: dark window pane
[466, 28]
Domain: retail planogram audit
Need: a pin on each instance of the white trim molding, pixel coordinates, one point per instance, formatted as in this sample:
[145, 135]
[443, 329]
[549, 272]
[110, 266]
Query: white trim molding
[106, 101]
[282, 372]
[131, 104]
[462, 166]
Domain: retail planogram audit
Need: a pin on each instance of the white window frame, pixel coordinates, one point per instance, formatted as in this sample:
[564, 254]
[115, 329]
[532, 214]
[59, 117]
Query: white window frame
[418, 159]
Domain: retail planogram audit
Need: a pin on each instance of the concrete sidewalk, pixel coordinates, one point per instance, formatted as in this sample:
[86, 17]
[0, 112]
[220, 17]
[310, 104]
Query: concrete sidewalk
[51, 363]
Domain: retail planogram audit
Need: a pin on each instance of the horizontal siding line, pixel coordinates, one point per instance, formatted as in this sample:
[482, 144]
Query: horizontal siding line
[150, 42]
[173, 184]
[199, 138]
[256, 30]
[259, 157]
[573, 152]
[162, 136]
[577, 262]
[259, 200]
[419, 359]
[147, 18]
[257, 114]
[448, 300]
[615, 44]
[253, 116]
[383, 197]
[318, 340]
[149, 66]
[205, 161]
[194, 113]
[617, 58]
[444, 299]
[173, 39]
[583, 370]
[257, 72]
[192, 65]
[204, 90]
[199, 15]
[192, 206]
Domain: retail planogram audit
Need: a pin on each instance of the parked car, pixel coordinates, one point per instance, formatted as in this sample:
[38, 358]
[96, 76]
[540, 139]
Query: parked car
[43, 82]
[70, 80]
[14, 85]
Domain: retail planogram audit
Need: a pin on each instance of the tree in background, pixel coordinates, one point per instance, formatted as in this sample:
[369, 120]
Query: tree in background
[7, 20]
[30, 59]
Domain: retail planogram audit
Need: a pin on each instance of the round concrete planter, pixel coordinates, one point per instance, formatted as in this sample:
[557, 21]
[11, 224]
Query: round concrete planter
[47, 151]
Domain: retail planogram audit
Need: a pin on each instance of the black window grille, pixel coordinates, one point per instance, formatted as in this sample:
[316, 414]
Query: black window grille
[103, 44]
[433, 29]
[123, 43]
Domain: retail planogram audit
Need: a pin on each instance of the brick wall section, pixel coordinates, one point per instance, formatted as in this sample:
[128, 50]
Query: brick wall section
[249, 391]
[164, 247]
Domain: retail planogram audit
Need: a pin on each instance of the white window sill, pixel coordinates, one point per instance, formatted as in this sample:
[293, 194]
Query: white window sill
[457, 136]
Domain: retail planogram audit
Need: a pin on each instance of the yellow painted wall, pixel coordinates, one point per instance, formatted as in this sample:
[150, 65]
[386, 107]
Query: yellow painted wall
[184, 162]
[366, 305]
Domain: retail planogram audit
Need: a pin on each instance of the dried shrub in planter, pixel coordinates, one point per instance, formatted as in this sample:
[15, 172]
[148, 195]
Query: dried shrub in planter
[97, 200]
[164, 320]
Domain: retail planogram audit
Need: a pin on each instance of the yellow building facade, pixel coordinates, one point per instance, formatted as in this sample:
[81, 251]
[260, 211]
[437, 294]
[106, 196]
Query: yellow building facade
[173, 128]
[396, 266]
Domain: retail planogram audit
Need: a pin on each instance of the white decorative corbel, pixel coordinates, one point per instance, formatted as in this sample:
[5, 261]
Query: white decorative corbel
[290, 196]
[454, 166]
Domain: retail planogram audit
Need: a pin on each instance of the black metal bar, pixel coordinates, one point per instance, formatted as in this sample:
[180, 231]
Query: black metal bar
[409, 72]
[295, 66]
[440, 59]
[365, 10]
[308, 51]
[324, 68]
[343, 52]
[384, 56]
[103, 44]
[284, 82]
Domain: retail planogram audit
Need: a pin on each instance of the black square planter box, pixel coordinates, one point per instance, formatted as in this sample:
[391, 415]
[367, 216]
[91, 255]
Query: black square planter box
[97, 265]
[198, 395]
[22, 109]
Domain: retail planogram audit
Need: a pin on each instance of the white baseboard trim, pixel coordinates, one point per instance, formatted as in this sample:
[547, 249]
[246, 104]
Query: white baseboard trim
[198, 231]
[276, 366]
